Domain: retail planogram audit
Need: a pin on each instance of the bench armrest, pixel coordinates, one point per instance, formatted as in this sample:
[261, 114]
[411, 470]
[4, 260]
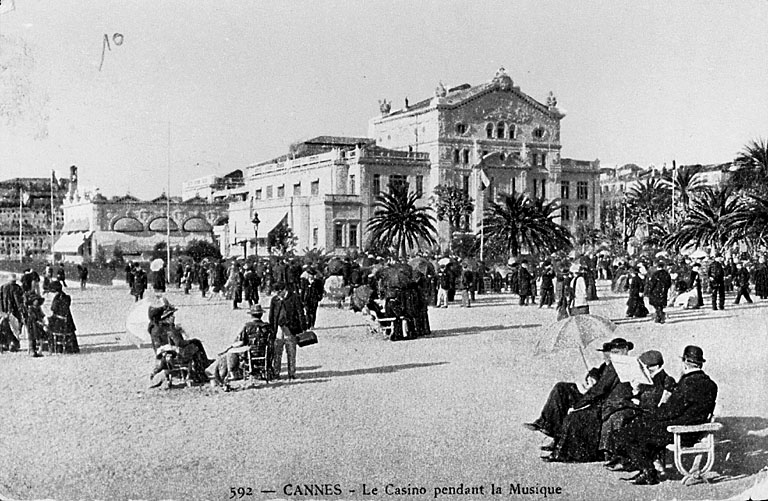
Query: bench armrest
[695, 428]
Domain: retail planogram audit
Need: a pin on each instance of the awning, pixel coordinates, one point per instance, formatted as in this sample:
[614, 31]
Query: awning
[133, 243]
[70, 243]
[268, 221]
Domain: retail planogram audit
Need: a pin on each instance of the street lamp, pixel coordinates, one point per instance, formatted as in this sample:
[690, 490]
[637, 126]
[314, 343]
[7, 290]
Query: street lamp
[255, 220]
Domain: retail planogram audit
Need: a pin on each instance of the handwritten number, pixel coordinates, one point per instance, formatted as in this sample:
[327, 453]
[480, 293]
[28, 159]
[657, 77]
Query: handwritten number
[117, 39]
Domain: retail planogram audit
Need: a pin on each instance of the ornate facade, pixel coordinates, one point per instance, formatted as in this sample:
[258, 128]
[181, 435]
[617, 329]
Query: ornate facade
[492, 138]
[94, 223]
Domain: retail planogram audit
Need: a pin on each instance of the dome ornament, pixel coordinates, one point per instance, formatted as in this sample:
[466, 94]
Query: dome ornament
[502, 80]
[551, 100]
[440, 90]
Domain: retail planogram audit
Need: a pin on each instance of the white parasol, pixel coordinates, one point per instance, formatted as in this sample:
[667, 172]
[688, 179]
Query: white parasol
[156, 265]
[136, 324]
[444, 261]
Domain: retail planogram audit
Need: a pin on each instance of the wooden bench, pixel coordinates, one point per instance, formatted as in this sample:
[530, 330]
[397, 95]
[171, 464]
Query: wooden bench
[703, 447]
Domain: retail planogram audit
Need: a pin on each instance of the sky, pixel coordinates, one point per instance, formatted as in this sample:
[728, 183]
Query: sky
[207, 87]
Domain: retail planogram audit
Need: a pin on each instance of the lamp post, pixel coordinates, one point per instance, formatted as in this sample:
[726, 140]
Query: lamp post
[255, 220]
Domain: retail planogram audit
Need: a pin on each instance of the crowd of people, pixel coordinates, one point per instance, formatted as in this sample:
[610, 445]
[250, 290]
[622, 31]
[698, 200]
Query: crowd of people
[684, 281]
[21, 308]
[625, 423]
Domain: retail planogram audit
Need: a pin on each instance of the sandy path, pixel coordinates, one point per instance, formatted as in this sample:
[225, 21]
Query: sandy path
[434, 412]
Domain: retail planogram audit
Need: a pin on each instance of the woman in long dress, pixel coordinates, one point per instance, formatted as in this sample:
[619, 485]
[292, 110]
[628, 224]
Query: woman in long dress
[61, 320]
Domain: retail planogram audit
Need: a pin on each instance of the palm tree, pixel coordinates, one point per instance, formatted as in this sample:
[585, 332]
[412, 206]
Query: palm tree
[648, 199]
[752, 163]
[707, 221]
[686, 181]
[586, 237]
[518, 223]
[398, 222]
[749, 221]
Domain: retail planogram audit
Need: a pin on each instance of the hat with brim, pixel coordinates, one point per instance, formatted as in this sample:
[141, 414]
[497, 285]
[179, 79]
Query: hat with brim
[168, 311]
[256, 310]
[618, 343]
[693, 354]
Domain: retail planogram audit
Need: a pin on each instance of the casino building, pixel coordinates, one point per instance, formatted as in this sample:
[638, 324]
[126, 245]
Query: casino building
[486, 139]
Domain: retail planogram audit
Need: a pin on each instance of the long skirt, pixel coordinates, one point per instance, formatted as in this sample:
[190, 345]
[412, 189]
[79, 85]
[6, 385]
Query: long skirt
[579, 437]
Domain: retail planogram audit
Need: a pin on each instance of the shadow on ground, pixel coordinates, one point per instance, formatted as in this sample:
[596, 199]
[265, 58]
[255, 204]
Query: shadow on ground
[463, 331]
[368, 370]
[741, 449]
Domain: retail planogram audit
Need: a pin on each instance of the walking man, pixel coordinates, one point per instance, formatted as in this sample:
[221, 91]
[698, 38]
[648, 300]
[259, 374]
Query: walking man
[716, 274]
[657, 290]
[742, 282]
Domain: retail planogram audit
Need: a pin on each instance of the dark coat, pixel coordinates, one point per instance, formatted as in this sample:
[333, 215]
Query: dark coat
[761, 279]
[524, 282]
[742, 277]
[635, 286]
[716, 273]
[609, 392]
[12, 300]
[288, 312]
[691, 402]
[61, 317]
[650, 395]
[658, 287]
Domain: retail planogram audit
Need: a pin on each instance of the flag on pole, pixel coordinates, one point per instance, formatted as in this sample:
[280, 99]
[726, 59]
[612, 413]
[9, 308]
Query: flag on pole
[484, 181]
[24, 197]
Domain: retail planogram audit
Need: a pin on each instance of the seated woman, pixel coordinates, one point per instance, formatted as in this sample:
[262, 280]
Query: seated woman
[168, 341]
[60, 321]
[255, 334]
[579, 436]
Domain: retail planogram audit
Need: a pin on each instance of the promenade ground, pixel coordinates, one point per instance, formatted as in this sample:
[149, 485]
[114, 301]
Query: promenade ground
[435, 412]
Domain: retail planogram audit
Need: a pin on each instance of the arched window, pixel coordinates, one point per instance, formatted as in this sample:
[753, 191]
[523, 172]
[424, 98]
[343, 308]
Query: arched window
[456, 156]
[500, 130]
[489, 131]
[465, 156]
[539, 133]
[512, 131]
[502, 156]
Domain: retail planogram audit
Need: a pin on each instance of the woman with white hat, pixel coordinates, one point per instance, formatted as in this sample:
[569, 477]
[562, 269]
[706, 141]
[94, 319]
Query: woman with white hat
[579, 306]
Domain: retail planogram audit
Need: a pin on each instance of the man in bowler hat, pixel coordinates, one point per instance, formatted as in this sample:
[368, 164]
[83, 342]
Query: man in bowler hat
[691, 402]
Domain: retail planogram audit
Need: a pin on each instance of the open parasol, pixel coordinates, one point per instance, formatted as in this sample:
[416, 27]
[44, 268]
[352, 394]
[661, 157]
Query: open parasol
[574, 332]
[136, 324]
[444, 261]
[156, 264]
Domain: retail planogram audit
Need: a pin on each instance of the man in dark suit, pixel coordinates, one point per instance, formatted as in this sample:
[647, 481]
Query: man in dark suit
[716, 274]
[657, 290]
[287, 320]
[742, 283]
[691, 402]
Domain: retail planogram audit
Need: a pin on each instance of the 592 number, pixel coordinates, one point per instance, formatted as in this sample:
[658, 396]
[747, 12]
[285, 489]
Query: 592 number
[240, 492]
